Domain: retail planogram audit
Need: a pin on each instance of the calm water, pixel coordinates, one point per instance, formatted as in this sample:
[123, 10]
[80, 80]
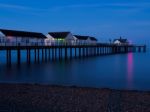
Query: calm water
[125, 71]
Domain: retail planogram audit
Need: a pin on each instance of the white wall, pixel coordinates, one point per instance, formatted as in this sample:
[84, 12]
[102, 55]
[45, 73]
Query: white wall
[2, 39]
[117, 42]
[70, 39]
[89, 41]
[49, 40]
[23, 41]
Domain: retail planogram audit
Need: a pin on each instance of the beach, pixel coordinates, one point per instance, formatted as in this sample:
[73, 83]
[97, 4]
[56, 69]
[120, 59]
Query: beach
[50, 98]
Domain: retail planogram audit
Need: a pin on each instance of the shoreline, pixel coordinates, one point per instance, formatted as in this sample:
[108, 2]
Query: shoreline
[72, 86]
[54, 98]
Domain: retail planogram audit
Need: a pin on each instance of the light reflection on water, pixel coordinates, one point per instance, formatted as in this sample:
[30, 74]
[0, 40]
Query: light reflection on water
[130, 70]
[123, 71]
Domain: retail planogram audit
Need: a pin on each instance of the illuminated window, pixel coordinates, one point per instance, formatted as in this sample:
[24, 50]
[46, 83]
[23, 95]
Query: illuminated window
[23, 40]
[60, 39]
[27, 40]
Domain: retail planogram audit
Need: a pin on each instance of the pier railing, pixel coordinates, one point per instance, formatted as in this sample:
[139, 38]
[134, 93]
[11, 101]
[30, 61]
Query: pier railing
[62, 44]
[43, 44]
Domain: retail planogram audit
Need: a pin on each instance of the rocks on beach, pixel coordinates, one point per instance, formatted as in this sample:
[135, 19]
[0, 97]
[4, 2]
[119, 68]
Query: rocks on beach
[44, 98]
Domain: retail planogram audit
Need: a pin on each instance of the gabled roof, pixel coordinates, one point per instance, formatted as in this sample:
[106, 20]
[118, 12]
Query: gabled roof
[93, 38]
[81, 37]
[22, 33]
[121, 40]
[59, 34]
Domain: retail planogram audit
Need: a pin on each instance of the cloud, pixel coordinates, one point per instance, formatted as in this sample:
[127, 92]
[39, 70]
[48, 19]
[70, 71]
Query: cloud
[142, 5]
[20, 7]
[136, 6]
[11, 6]
[141, 23]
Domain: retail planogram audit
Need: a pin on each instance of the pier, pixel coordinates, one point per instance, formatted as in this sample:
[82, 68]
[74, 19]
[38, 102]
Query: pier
[67, 52]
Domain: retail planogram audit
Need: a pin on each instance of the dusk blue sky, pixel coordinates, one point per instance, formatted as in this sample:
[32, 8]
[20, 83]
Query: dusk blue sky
[103, 19]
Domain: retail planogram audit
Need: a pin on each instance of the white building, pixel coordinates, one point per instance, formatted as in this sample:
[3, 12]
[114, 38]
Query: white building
[85, 40]
[61, 38]
[93, 40]
[121, 41]
[81, 40]
[49, 40]
[23, 38]
[2, 39]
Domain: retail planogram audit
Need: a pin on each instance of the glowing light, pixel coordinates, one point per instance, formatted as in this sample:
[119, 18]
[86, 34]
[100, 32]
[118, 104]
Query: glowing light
[9, 37]
[60, 39]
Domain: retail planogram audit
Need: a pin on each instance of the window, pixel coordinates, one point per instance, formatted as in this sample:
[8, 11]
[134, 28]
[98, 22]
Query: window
[8, 40]
[23, 40]
[27, 40]
[42, 40]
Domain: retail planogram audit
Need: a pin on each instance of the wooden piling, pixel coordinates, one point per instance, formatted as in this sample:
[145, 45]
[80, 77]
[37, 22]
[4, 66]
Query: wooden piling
[29, 60]
[70, 52]
[45, 54]
[18, 56]
[79, 52]
[38, 55]
[75, 50]
[42, 54]
[35, 56]
[49, 54]
[144, 48]
[66, 53]
[8, 57]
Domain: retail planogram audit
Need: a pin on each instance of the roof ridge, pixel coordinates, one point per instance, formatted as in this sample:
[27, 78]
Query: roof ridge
[20, 31]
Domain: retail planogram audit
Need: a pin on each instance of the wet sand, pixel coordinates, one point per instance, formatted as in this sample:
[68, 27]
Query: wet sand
[45, 98]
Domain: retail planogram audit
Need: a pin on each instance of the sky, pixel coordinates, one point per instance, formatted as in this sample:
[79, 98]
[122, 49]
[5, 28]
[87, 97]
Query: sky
[104, 19]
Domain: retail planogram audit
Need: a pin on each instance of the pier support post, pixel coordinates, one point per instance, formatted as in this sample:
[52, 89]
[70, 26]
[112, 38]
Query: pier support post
[83, 52]
[45, 54]
[79, 52]
[139, 49]
[49, 54]
[8, 56]
[66, 53]
[35, 56]
[18, 56]
[59, 53]
[134, 49]
[29, 60]
[38, 55]
[86, 51]
[70, 52]
[28, 56]
[75, 50]
[144, 48]
[9, 51]
[103, 50]
[42, 54]
[97, 50]
[55, 53]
